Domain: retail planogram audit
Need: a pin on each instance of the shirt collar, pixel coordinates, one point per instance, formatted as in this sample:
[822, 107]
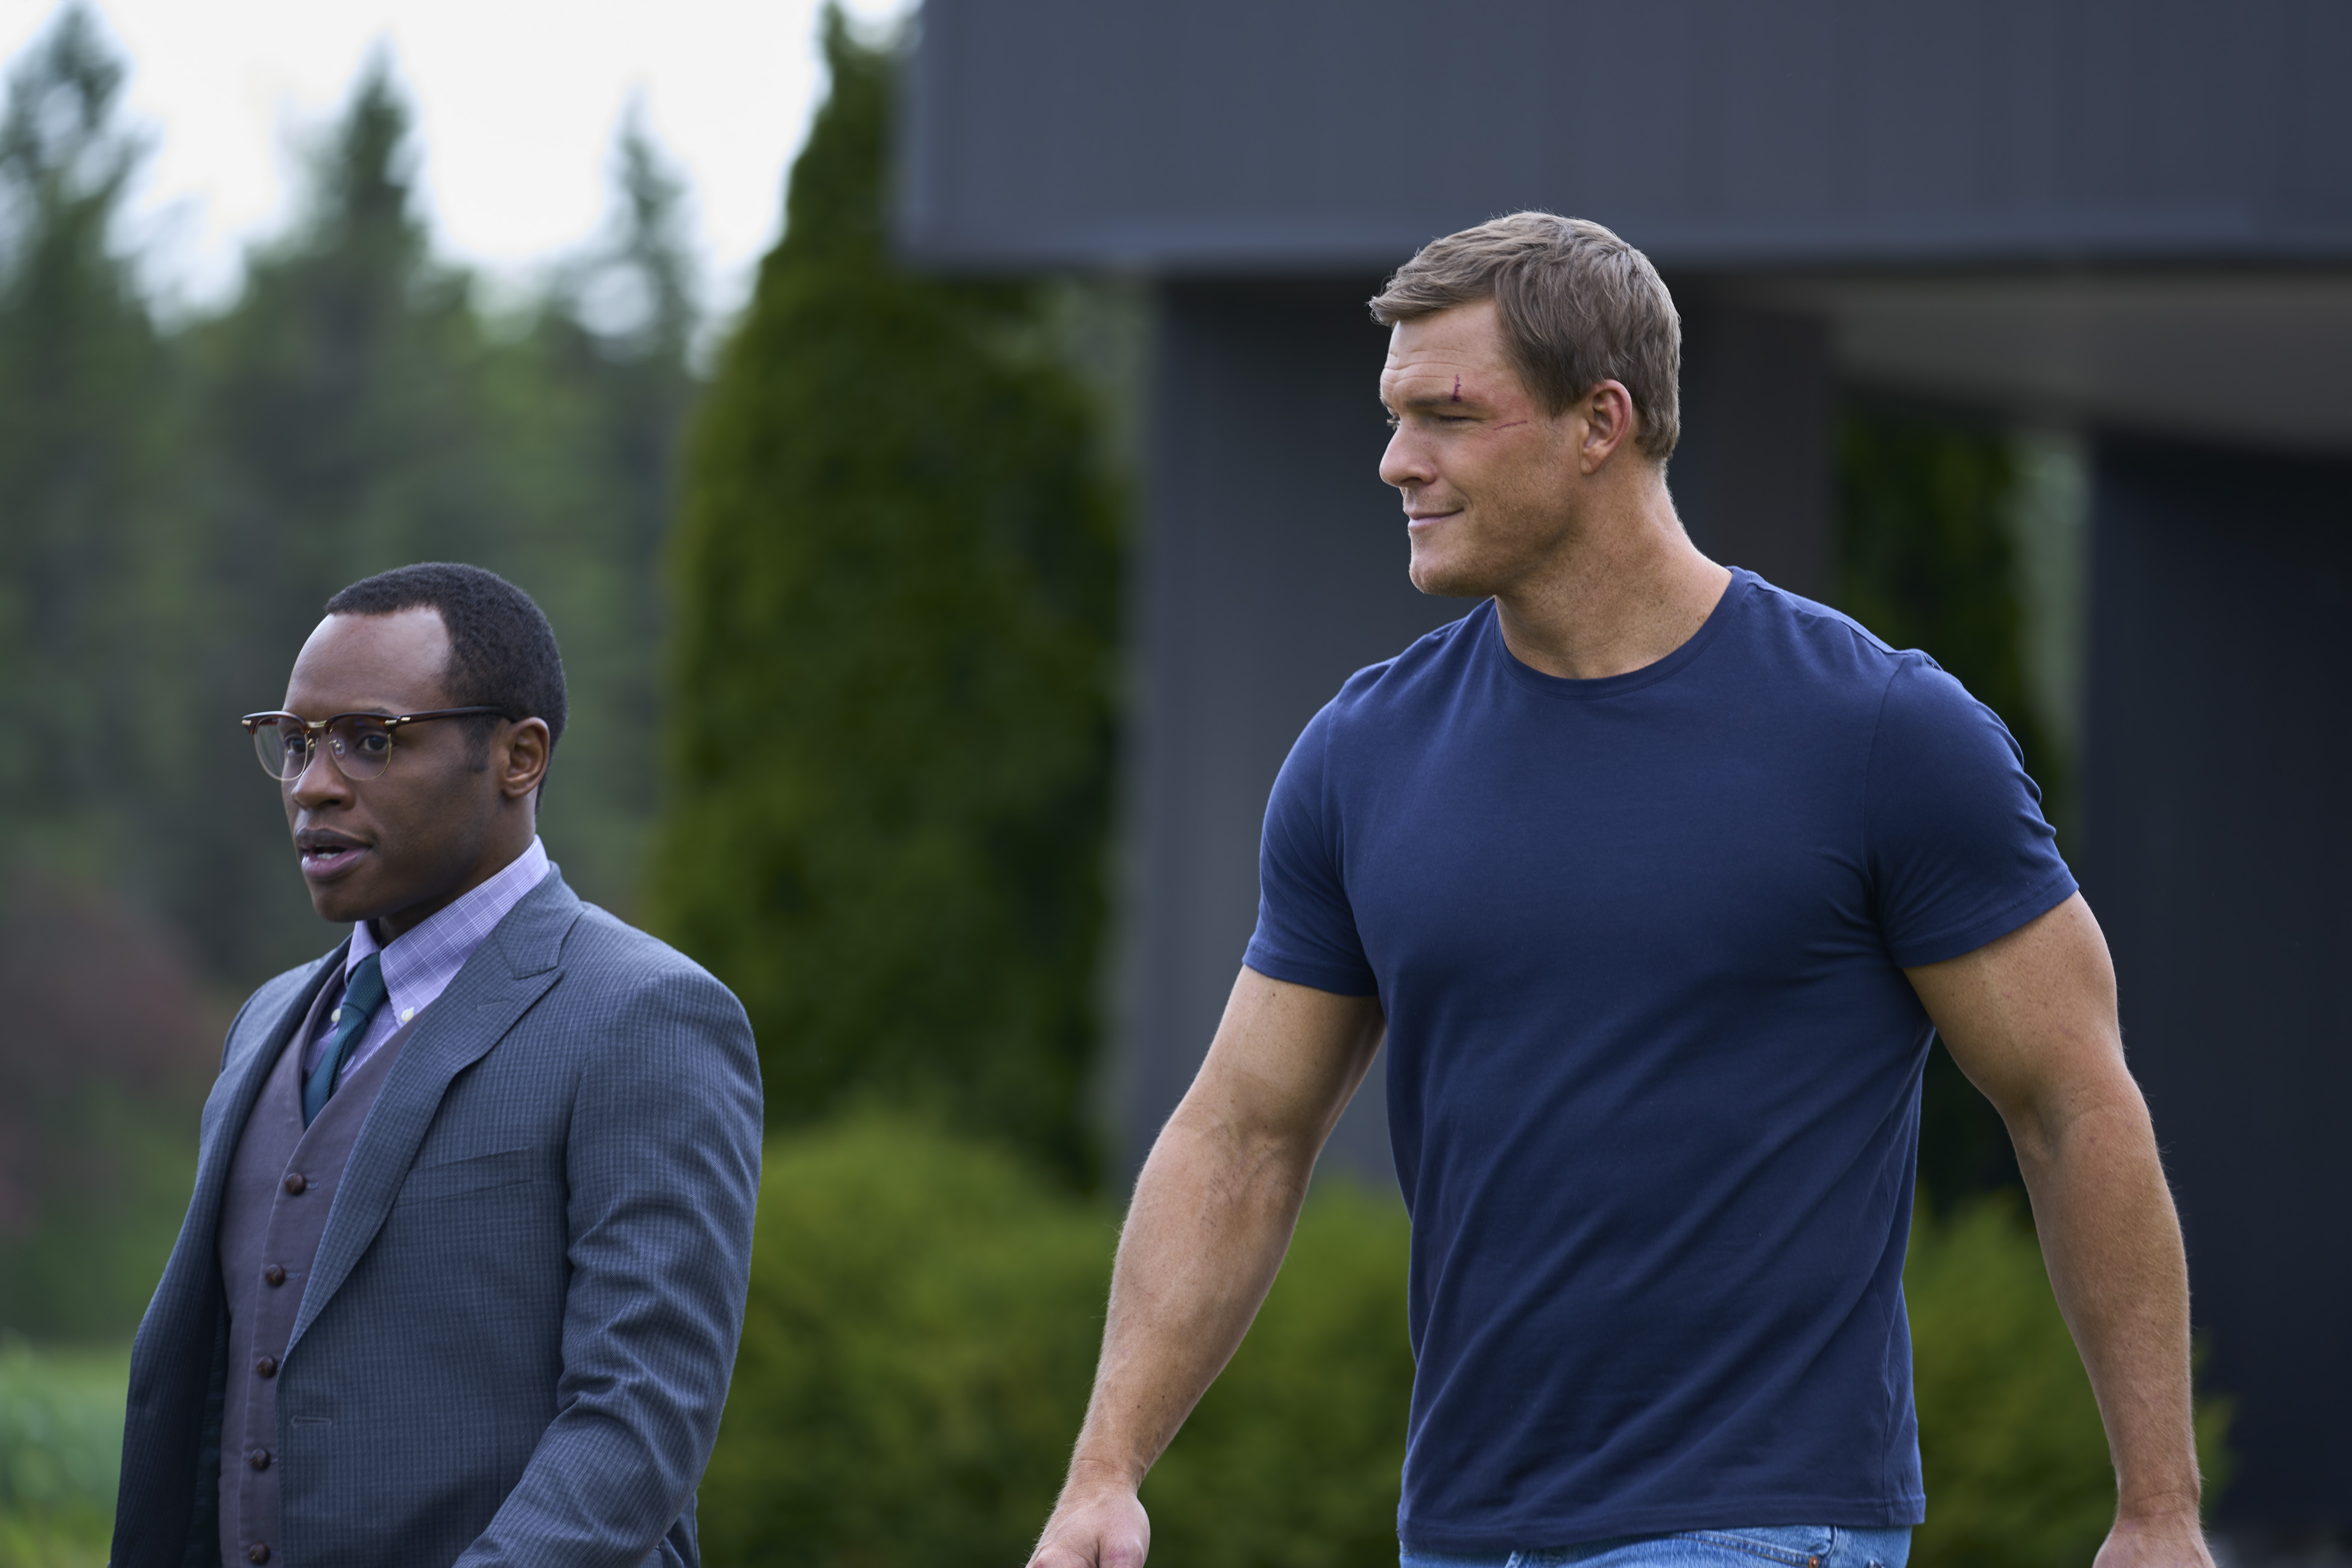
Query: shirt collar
[419, 963]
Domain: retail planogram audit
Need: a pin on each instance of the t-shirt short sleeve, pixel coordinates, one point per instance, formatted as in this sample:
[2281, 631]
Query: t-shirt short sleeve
[1306, 928]
[1960, 851]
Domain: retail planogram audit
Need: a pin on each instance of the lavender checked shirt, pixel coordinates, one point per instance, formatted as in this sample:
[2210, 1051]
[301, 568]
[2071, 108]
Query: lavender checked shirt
[419, 964]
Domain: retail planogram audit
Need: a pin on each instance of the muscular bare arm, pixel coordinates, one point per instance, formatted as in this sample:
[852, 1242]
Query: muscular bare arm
[1212, 1214]
[2031, 1018]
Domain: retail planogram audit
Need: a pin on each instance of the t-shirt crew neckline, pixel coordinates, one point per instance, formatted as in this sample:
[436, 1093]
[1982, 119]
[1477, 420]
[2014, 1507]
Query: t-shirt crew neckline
[1573, 690]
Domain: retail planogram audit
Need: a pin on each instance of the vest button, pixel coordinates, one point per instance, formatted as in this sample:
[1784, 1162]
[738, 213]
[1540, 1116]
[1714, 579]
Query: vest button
[267, 1366]
[259, 1459]
[274, 1274]
[256, 1553]
[295, 1184]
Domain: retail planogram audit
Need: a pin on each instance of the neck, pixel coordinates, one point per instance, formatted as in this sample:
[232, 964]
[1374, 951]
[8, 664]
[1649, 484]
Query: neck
[1622, 590]
[503, 850]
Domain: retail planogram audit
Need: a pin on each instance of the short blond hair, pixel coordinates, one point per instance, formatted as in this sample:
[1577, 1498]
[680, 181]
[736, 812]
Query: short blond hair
[1578, 306]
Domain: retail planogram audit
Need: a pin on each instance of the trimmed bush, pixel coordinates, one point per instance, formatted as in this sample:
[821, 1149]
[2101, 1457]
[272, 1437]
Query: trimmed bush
[922, 1327]
[923, 1323]
[2016, 1461]
[1293, 1457]
[925, 1314]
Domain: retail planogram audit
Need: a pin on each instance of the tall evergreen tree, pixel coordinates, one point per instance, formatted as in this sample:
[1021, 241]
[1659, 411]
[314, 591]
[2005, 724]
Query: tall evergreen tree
[102, 1051]
[892, 693]
[93, 718]
[342, 422]
[174, 510]
[360, 413]
[617, 332]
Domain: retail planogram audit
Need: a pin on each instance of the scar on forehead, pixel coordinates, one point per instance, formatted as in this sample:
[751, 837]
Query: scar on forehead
[1457, 389]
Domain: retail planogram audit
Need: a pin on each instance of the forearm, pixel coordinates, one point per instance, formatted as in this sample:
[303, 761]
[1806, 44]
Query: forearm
[1213, 1212]
[2112, 1246]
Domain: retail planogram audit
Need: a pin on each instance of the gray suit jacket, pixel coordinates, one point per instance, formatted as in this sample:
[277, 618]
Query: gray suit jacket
[515, 1341]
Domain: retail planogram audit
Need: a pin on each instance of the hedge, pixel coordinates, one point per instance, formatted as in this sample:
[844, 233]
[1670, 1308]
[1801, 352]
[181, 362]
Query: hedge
[925, 1313]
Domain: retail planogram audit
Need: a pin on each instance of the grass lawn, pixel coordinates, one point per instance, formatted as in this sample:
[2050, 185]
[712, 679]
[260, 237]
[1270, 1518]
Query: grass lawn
[61, 1446]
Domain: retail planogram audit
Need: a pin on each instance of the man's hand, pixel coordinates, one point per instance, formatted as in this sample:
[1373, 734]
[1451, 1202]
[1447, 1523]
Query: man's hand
[2166, 1541]
[1098, 1523]
[2031, 1018]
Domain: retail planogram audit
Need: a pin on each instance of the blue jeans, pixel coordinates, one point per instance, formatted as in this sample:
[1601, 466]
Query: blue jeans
[1773, 1546]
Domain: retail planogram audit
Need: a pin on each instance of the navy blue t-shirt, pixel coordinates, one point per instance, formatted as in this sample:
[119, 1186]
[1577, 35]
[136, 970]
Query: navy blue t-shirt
[1653, 1063]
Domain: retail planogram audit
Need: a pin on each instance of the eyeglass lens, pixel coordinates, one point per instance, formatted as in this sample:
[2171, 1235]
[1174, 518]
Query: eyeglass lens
[360, 746]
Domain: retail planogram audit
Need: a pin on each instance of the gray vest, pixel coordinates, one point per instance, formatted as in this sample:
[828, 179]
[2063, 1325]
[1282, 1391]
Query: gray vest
[281, 1186]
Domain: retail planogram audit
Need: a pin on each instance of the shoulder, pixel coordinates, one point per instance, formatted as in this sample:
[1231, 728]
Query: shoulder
[649, 1021]
[1834, 645]
[1794, 647]
[605, 955]
[1902, 691]
[1428, 670]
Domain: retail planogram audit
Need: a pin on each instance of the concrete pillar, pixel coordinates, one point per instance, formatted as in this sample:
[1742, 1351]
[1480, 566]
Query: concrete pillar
[1272, 566]
[2219, 849]
[1752, 475]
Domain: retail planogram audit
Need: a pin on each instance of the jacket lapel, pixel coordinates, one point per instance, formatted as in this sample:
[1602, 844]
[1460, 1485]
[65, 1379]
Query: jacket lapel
[253, 1050]
[513, 968]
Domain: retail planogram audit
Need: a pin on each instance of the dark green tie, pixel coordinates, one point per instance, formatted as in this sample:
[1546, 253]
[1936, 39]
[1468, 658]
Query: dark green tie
[362, 996]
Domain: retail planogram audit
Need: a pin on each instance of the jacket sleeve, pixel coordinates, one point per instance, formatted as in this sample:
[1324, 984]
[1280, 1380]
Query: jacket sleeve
[663, 1162]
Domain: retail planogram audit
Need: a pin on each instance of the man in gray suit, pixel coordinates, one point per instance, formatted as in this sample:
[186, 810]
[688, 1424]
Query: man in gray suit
[463, 1272]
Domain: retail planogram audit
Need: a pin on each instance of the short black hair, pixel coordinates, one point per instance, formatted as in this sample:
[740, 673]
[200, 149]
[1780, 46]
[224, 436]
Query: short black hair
[502, 652]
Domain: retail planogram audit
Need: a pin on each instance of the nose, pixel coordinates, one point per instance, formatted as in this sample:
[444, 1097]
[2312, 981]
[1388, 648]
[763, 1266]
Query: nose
[1405, 464]
[321, 781]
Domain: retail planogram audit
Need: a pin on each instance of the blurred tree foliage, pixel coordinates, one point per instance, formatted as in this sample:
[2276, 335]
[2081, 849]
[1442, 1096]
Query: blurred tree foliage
[890, 721]
[924, 1315]
[1926, 562]
[92, 536]
[106, 1056]
[178, 499]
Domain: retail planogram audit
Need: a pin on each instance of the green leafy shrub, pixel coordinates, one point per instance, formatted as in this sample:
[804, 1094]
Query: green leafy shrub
[60, 1447]
[1293, 1457]
[921, 1331]
[925, 1313]
[2017, 1466]
[890, 744]
[923, 1323]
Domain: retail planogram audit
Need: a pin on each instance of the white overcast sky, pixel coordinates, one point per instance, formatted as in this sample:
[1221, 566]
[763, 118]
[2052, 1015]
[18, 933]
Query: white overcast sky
[517, 103]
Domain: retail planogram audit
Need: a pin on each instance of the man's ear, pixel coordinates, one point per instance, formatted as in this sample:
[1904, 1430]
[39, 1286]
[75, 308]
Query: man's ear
[520, 757]
[1608, 414]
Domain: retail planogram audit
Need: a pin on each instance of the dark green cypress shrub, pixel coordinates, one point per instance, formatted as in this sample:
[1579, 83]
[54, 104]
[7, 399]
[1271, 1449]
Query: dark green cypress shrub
[890, 729]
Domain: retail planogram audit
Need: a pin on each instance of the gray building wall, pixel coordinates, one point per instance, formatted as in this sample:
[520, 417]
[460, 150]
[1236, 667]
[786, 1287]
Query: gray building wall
[1273, 567]
[2219, 849]
[2117, 215]
[1239, 136]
